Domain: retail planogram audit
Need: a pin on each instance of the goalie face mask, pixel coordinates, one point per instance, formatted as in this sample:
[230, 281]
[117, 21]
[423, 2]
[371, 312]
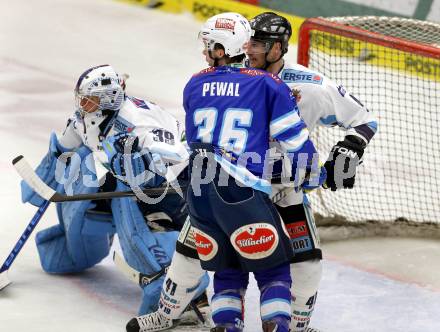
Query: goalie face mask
[100, 86]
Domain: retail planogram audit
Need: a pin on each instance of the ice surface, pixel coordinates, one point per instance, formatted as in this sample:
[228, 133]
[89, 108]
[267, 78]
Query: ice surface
[45, 46]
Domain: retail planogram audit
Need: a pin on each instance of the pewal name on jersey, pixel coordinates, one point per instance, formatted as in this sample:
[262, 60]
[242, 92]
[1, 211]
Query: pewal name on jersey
[221, 89]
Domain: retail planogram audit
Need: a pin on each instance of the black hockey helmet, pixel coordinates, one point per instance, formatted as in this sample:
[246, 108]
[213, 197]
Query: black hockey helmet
[270, 27]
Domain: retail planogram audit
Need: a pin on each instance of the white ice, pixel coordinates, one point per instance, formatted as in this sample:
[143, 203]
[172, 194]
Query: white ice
[368, 285]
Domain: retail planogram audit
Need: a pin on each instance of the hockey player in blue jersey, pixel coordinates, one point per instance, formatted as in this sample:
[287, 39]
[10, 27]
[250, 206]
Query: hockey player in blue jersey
[185, 274]
[321, 102]
[104, 119]
[232, 113]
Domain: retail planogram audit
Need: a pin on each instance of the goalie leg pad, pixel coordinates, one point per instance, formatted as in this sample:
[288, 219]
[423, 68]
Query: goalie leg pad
[145, 251]
[184, 281]
[72, 253]
[83, 237]
[150, 296]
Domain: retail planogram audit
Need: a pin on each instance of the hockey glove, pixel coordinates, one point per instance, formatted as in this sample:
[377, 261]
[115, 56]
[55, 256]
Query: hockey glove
[341, 164]
[130, 165]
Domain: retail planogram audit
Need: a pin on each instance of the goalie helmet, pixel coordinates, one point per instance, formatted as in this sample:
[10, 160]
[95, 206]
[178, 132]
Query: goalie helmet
[103, 82]
[231, 30]
[269, 27]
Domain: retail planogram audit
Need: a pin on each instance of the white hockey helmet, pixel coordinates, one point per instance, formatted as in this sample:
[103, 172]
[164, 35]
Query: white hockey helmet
[103, 82]
[231, 30]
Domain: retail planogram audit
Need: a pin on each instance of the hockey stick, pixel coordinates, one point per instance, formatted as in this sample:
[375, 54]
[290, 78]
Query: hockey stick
[31, 178]
[281, 194]
[4, 281]
[137, 277]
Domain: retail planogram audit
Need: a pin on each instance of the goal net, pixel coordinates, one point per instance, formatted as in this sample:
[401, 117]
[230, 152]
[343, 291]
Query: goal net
[392, 65]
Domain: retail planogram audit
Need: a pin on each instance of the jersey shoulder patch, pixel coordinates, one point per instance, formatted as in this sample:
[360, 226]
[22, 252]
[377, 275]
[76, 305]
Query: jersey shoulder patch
[300, 76]
[204, 71]
[259, 72]
[139, 103]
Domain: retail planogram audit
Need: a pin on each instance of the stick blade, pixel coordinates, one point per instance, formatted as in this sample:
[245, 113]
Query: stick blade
[126, 269]
[31, 178]
[4, 280]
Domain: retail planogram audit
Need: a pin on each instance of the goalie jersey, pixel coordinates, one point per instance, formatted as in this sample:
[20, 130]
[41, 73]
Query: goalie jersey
[156, 129]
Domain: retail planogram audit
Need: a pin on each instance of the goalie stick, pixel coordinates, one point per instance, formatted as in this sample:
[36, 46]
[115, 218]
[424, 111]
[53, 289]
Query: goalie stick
[31, 178]
[139, 278]
[4, 280]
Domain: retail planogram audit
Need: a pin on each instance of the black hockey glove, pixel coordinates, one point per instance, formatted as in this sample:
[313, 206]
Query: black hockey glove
[341, 164]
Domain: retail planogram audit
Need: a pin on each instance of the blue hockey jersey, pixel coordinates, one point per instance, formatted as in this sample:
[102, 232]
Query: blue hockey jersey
[238, 111]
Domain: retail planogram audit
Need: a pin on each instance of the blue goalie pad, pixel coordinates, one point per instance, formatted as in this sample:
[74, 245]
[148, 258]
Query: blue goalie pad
[83, 237]
[145, 251]
[150, 297]
[46, 171]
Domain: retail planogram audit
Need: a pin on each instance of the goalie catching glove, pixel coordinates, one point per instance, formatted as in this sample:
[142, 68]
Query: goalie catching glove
[130, 165]
[343, 160]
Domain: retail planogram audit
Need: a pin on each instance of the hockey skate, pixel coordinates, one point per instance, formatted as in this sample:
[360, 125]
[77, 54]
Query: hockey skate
[311, 329]
[195, 316]
[197, 313]
[150, 322]
[218, 329]
[270, 326]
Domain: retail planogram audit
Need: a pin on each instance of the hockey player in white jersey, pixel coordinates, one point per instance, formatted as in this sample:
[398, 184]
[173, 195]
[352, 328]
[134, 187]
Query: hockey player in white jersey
[321, 102]
[106, 119]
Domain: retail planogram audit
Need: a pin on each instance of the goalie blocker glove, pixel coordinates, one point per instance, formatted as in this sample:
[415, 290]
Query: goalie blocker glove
[341, 164]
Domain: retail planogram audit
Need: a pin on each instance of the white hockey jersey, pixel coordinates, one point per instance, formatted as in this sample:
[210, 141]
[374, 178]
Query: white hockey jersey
[156, 129]
[323, 102]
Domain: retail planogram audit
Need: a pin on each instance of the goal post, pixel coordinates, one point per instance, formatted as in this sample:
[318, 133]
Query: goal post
[392, 65]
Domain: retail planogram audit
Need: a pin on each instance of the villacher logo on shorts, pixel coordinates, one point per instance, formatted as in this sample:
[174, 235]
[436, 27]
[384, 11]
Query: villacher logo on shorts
[207, 247]
[255, 241]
